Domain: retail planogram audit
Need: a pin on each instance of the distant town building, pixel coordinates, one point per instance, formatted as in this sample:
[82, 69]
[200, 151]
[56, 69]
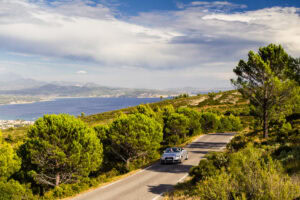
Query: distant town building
[5, 124]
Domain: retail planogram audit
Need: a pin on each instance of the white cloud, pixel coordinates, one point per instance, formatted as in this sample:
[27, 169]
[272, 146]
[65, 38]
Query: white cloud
[2, 69]
[81, 72]
[179, 43]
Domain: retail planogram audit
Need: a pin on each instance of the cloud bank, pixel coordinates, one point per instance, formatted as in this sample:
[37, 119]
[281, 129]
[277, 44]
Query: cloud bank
[196, 38]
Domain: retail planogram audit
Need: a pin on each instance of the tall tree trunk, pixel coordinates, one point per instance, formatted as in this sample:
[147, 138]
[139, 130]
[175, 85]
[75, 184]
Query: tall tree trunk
[265, 123]
[127, 164]
[57, 179]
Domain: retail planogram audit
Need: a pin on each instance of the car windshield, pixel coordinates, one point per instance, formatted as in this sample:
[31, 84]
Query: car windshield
[172, 150]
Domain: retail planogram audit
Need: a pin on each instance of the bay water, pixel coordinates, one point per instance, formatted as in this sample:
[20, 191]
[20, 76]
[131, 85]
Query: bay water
[73, 106]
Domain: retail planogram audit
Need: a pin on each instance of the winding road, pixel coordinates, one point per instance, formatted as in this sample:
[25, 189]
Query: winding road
[150, 183]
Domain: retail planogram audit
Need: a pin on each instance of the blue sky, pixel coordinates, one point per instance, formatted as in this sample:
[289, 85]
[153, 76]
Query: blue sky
[141, 43]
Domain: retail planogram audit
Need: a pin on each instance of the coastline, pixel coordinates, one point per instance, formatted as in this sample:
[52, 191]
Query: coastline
[55, 98]
[31, 110]
[21, 102]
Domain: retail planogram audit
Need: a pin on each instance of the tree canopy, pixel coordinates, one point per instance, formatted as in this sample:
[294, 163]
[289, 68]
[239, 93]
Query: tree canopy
[61, 149]
[9, 161]
[134, 135]
[263, 80]
[176, 128]
[194, 125]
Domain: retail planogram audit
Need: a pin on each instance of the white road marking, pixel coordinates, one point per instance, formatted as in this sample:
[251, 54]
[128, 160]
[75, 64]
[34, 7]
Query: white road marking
[105, 186]
[158, 196]
[182, 178]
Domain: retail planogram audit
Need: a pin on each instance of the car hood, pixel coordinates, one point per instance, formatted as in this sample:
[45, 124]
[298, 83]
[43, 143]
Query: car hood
[171, 154]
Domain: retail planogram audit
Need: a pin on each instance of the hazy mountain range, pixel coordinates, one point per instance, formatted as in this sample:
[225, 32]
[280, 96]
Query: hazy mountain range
[14, 88]
[14, 85]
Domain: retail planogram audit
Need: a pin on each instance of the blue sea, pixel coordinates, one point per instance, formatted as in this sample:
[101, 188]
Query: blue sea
[73, 106]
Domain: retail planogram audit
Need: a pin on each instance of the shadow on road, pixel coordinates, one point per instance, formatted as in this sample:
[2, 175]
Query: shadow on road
[200, 152]
[160, 188]
[170, 168]
[226, 134]
[207, 145]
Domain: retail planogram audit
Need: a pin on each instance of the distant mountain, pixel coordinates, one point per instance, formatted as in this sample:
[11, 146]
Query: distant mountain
[14, 85]
[11, 81]
[88, 90]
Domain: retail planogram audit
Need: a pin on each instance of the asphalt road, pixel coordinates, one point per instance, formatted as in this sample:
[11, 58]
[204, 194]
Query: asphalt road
[152, 182]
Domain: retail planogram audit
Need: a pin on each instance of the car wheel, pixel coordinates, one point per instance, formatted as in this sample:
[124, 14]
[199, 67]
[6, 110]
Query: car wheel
[161, 162]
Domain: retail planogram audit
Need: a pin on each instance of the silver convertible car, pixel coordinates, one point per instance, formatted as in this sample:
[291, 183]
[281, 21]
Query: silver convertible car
[174, 155]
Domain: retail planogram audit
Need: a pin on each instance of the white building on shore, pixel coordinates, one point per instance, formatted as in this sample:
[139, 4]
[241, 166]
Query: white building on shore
[5, 124]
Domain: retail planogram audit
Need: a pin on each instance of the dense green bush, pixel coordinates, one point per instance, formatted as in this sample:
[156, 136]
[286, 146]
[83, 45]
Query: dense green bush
[238, 142]
[290, 157]
[194, 125]
[181, 96]
[13, 190]
[229, 123]
[248, 175]
[235, 123]
[245, 111]
[9, 161]
[204, 170]
[210, 166]
[225, 124]
[210, 122]
[176, 129]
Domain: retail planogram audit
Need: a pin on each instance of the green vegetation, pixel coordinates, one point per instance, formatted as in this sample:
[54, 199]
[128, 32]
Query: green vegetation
[264, 80]
[247, 174]
[134, 136]
[263, 161]
[61, 155]
[10, 163]
[60, 149]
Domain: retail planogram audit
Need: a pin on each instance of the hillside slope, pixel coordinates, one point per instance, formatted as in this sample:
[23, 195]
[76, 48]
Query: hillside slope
[222, 102]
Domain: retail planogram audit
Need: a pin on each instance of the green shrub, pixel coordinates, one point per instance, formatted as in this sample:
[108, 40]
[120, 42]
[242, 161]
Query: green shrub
[176, 128]
[249, 175]
[238, 142]
[210, 122]
[217, 187]
[13, 190]
[290, 158]
[225, 124]
[204, 170]
[181, 96]
[194, 125]
[9, 161]
[173, 140]
[219, 159]
[235, 123]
